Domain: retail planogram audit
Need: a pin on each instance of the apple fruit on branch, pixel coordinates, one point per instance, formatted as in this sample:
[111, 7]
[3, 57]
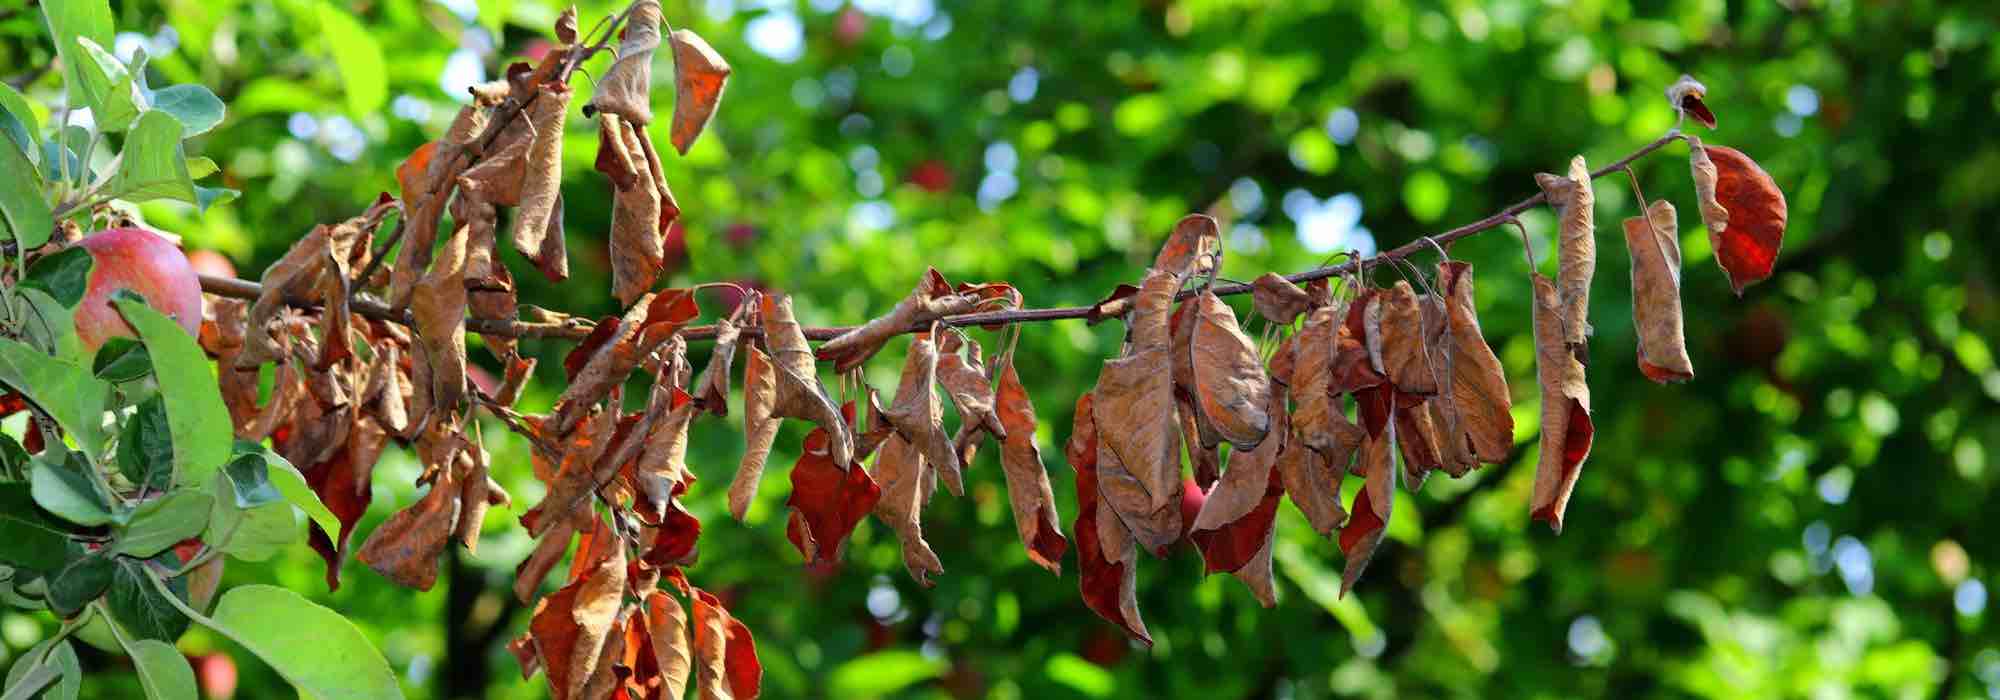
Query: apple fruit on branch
[145, 263]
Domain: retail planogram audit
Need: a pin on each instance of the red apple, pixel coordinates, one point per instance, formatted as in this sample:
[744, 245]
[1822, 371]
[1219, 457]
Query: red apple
[139, 260]
[216, 673]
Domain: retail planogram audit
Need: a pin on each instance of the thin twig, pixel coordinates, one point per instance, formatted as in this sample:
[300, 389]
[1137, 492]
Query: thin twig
[577, 329]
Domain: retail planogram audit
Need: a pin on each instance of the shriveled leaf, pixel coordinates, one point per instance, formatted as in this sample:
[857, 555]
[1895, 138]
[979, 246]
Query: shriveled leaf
[1363, 533]
[918, 413]
[439, 308]
[900, 470]
[1277, 299]
[699, 76]
[799, 392]
[760, 429]
[711, 391]
[662, 467]
[1577, 247]
[1408, 333]
[1319, 421]
[609, 359]
[637, 255]
[1655, 244]
[827, 501]
[548, 552]
[1566, 424]
[1743, 209]
[1028, 490]
[1477, 404]
[1192, 249]
[667, 629]
[1231, 390]
[1686, 96]
[726, 665]
[1238, 518]
[571, 625]
[1108, 579]
[627, 85]
[933, 299]
[538, 227]
[406, 547]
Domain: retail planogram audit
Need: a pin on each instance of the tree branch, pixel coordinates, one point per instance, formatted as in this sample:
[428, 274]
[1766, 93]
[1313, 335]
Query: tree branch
[577, 329]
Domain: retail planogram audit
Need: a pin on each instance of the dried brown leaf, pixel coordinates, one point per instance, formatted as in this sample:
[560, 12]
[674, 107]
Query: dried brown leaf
[439, 309]
[1744, 210]
[1231, 391]
[1477, 394]
[637, 251]
[800, 394]
[1363, 533]
[667, 628]
[1277, 299]
[711, 391]
[1408, 333]
[1566, 424]
[699, 76]
[760, 429]
[626, 88]
[538, 226]
[918, 413]
[1577, 254]
[934, 298]
[1654, 241]
[1107, 564]
[1028, 490]
[606, 365]
[1238, 518]
[899, 471]
[406, 547]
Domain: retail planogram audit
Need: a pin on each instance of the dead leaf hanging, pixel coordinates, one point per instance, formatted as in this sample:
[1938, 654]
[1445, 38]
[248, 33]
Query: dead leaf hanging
[1479, 400]
[1407, 334]
[1277, 299]
[827, 501]
[1566, 424]
[711, 391]
[760, 429]
[637, 255]
[1028, 490]
[606, 364]
[961, 371]
[799, 392]
[667, 628]
[917, 413]
[699, 76]
[538, 225]
[1577, 254]
[1238, 519]
[1655, 244]
[1319, 420]
[1108, 577]
[662, 466]
[725, 655]
[899, 471]
[571, 625]
[1363, 533]
[1743, 209]
[406, 547]
[439, 310]
[627, 85]
[1141, 470]
[1686, 96]
[933, 299]
[1231, 391]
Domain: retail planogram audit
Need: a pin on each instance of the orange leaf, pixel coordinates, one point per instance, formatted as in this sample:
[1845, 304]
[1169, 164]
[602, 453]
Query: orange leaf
[1744, 210]
[699, 76]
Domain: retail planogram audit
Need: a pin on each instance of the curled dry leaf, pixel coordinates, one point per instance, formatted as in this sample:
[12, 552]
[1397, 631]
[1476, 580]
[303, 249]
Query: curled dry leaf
[1686, 96]
[1117, 304]
[637, 252]
[699, 76]
[1141, 465]
[1655, 244]
[712, 389]
[661, 470]
[1477, 401]
[1194, 248]
[933, 299]
[726, 664]
[1109, 580]
[1319, 420]
[667, 632]
[1363, 533]
[341, 479]
[439, 310]
[961, 371]
[478, 493]
[548, 552]
[1238, 519]
[1028, 491]
[917, 413]
[406, 547]
[498, 177]
[304, 272]
[1743, 209]
[827, 501]
[1231, 392]
[799, 392]
[1417, 440]
[1577, 254]
[605, 364]
[570, 626]
[1407, 335]
[1313, 481]
[900, 470]
[626, 88]
[1566, 424]
[538, 226]
[1277, 299]
[760, 429]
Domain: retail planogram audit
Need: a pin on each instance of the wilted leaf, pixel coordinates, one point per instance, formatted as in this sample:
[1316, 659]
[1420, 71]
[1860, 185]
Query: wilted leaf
[933, 299]
[343, 483]
[1277, 299]
[1231, 391]
[538, 226]
[917, 413]
[1028, 490]
[1319, 420]
[1566, 425]
[726, 664]
[1408, 333]
[439, 308]
[1139, 462]
[711, 391]
[627, 85]
[406, 547]
[1476, 396]
[1417, 441]
[606, 364]
[637, 254]
[1193, 248]
[1655, 244]
[1237, 520]
[799, 393]
[570, 626]
[760, 429]
[900, 470]
[667, 628]
[548, 552]
[827, 501]
[1108, 581]
[1686, 96]
[699, 76]
[1743, 208]
[961, 370]
[661, 469]
[1363, 533]
[1577, 255]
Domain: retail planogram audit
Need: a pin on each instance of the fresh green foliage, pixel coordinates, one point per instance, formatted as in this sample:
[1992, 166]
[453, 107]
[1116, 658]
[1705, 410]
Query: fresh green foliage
[64, 275]
[315, 648]
[195, 414]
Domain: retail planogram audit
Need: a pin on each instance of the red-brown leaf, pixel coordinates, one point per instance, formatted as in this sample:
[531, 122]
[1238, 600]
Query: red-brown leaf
[828, 500]
[1746, 242]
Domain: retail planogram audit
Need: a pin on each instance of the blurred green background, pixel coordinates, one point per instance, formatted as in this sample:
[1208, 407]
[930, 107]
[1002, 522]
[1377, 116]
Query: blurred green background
[1804, 519]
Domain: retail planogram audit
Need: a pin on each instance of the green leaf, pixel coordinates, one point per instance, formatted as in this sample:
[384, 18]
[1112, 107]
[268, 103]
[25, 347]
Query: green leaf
[140, 608]
[197, 109]
[14, 461]
[290, 482]
[252, 534]
[52, 324]
[65, 490]
[28, 539]
[65, 275]
[20, 122]
[202, 166]
[84, 580]
[358, 56]
[315, 648]
[68, 392]
[146, 445]
[120, 360]
[200, 422]
[882, 673]
[28, 218]
[163, 672]
[152, 165]
[68, 21]
[63, 156]
[250, 479]
[108, 86]
[67, 673]
[205, 197]
[163, 522]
